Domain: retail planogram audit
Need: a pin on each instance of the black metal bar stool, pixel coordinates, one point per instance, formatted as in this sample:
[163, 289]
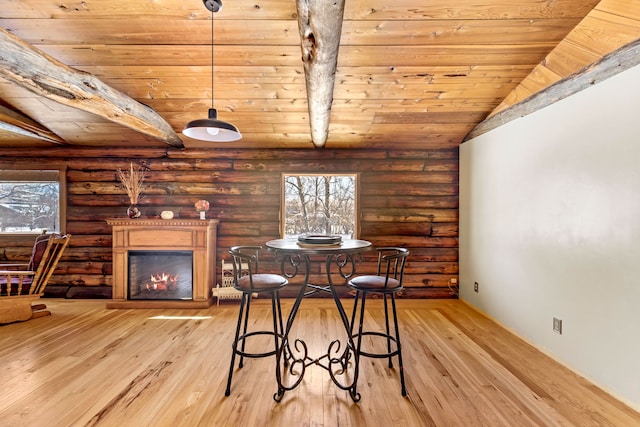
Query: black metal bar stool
[247, 280]
[387, 281]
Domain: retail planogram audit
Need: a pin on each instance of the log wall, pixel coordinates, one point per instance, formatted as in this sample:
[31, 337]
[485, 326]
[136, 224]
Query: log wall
[407, 198]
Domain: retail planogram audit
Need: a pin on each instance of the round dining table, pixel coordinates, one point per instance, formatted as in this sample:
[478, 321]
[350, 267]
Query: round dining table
[341, 259]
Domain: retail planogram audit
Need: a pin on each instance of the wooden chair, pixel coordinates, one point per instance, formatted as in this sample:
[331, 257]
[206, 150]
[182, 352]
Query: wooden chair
[387, 282]
[23, 284]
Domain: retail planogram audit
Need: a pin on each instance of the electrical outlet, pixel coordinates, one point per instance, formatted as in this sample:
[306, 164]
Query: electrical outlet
[557, 325]
[475, 287]
[454, 281]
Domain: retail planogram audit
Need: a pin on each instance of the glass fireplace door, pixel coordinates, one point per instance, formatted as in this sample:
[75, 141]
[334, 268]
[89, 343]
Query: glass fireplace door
[160, 275]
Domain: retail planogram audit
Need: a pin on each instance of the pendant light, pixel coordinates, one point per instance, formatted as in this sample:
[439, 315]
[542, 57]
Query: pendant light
[212, 129]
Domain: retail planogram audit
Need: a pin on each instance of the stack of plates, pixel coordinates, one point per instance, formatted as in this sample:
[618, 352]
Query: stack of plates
[319, 239]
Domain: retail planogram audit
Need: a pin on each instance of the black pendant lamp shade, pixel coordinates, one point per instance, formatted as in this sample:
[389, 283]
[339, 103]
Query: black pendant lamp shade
[212, 129]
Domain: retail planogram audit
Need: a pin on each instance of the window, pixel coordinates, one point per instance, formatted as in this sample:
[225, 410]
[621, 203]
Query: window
[31, 200]
[319, 204]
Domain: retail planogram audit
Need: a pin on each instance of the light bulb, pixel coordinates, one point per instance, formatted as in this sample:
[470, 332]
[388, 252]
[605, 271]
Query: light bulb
[213, 131]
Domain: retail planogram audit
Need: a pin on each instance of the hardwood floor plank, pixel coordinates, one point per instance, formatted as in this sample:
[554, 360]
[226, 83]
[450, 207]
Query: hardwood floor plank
[86, 365]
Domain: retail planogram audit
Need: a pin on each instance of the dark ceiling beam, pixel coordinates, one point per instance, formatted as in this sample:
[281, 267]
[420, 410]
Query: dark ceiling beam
[611, 64]
[320, 26]
[29, 67]
[16, 122]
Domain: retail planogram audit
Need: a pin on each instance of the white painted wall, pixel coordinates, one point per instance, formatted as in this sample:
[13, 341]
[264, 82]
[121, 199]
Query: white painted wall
[550, 227]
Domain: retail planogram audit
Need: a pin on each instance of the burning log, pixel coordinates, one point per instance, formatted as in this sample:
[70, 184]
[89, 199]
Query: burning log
[162, 282]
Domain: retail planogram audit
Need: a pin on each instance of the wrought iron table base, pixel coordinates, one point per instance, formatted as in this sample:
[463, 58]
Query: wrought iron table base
[339, 360]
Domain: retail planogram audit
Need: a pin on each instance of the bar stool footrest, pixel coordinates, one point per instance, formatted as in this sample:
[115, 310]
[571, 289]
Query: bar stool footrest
[243, 338]
[392, 339]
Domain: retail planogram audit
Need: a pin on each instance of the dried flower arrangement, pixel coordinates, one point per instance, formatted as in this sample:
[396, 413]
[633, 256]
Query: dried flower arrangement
[133, 183]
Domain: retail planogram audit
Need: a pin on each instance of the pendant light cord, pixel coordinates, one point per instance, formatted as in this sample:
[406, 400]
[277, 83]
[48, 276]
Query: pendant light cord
[212, 59]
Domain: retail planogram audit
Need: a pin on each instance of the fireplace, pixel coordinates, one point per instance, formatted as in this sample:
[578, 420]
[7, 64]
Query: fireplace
[163, 263]
[160, 275]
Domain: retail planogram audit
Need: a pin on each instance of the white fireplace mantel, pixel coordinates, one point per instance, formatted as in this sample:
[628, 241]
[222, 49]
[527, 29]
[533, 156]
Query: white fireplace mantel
[196, 235]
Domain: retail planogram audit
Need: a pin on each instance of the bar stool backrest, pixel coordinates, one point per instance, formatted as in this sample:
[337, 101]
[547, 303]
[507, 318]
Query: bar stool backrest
[391, 262]
[245, 260]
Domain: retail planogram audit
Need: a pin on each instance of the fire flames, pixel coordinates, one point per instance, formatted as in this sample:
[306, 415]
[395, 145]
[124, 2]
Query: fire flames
[162, 282]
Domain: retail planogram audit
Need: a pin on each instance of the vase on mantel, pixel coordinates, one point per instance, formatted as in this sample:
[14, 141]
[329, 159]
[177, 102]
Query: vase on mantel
[133, 212]
[202, 206]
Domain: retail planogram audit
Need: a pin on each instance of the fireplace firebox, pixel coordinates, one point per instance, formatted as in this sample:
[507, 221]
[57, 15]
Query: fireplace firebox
[160, 275]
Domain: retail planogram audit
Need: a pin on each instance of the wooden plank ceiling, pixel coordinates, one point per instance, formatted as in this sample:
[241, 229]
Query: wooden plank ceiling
[410, 74]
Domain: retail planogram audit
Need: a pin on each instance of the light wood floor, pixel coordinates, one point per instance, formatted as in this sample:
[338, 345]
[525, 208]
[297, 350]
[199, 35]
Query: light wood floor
[87, 365]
